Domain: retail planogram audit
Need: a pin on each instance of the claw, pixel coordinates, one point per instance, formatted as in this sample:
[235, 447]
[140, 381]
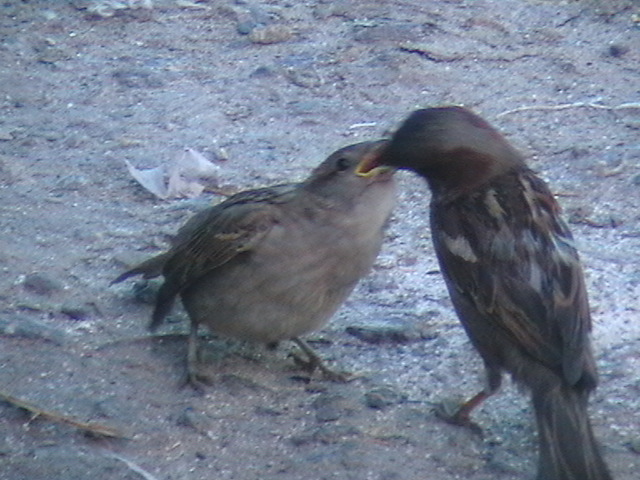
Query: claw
[457, 412]
[313, 362]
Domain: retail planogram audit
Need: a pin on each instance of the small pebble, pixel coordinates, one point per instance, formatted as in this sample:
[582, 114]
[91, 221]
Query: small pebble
[72, 182]
[381, 397]
[41, 284]
[237, 385]
[327, 434]
[262, 72]
[195, 419]
[245, 27]
[305, 77]
[21, 326]
[270, 34]
[330, 407]
[6, 135]
[134, 78]
[389, 331]
[617, 51]
[76, 311]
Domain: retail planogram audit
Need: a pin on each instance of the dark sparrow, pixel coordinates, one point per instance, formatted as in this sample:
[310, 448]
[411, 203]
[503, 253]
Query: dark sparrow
[275, 263]
[513, 275]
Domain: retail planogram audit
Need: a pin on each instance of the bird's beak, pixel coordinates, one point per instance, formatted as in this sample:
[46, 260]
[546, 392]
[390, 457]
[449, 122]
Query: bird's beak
[370, 168]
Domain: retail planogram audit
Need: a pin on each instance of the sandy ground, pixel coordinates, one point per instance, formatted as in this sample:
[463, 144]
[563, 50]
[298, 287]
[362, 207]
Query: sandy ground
[268, 89]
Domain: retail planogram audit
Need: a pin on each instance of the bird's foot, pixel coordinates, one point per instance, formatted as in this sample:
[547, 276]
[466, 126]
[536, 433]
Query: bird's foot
[193, 376]
[312, 366]
[195, 379]
[457, 412]
[314, 362]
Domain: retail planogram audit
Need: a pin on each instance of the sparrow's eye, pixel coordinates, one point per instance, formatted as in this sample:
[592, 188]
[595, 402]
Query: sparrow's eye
[342, 164]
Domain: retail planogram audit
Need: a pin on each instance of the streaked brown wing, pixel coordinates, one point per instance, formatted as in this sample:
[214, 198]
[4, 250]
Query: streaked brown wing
[213, 237]
[505, 251]
[216, 235]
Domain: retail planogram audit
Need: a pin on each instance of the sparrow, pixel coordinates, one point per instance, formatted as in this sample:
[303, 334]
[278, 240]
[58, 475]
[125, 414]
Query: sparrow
[276, 263]
[513, 275]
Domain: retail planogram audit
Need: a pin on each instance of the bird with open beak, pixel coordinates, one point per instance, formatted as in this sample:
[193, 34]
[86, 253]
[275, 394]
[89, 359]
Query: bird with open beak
[275, 263]
[513, 275]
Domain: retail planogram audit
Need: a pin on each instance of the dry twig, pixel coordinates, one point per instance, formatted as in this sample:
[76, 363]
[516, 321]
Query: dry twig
[93, 428]
[565, 106]
[133, 466]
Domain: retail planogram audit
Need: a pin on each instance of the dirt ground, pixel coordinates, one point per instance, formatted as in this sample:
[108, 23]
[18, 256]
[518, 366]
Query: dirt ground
[268, 88]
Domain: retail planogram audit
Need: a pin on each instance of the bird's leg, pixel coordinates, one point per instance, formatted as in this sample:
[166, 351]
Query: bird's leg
[193, 376]
[458, 413]
[314, 362]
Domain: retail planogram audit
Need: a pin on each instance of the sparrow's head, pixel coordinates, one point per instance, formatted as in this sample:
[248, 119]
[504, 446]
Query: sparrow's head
[451, 147]
[337, 174]
[365, 199]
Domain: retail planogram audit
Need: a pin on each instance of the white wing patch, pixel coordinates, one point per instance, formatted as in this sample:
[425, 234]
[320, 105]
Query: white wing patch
[535, 277]
[460, 247]
[494, 207]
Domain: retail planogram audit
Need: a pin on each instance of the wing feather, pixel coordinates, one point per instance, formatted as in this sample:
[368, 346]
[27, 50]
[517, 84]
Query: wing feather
[520, 273]
[214, 237]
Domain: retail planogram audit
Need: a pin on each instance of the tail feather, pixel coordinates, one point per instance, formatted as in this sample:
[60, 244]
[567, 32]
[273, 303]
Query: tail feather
[164, 303]
[568, 449]
[150, 268]
[166, 296]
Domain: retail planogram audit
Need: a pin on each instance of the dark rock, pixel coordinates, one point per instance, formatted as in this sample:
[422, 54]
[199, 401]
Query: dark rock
[132, 78]
[270, 34]
[71, 183]
[238, 385]
[305, 76]
[331, 407]
[269, 411]
[19, 325]
[262, 72]
[197, 420]
[617, 51]
[381, 397]
[393, 330]
[328, 434]
[634, 445]
[76, 311]
[245, 26]
[41, 283]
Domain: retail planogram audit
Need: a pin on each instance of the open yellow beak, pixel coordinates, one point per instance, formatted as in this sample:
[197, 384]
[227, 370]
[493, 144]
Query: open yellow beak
[369, 168]
[374, 172]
